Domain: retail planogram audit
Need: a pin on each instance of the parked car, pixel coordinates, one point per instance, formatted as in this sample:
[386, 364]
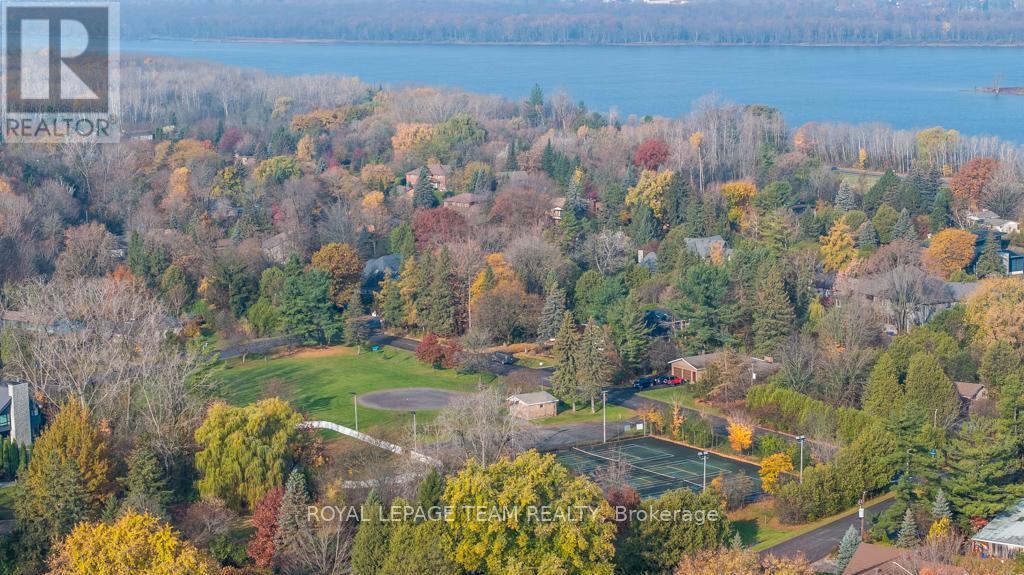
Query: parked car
[668, 379]
[643, 382]
[503, 358]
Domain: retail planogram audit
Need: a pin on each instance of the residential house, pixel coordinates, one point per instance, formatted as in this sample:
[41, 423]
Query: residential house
[970, 392]
[692, 368]
[1003, 536]
[438, 174]
[647, 260]
[463, 201]
[277, 248]
[530, 406]
[990, 220]
[19, 414]
[376, 269]
[871, 559]
[709, 247]
[555, 209]
[932, 295]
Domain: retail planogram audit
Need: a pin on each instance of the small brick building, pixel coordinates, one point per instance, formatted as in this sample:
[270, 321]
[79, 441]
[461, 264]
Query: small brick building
[535, 405]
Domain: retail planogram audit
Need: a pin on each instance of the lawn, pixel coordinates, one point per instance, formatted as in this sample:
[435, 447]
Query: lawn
[760, 530]
[616, 413]
[533, 361]
[681, 394]
[321, 382]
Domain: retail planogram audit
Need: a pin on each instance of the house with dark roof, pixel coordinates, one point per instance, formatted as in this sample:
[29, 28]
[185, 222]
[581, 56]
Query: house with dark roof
[692, 368]
[438, 174]
[463, 201]
[871, 559]
[706, 247]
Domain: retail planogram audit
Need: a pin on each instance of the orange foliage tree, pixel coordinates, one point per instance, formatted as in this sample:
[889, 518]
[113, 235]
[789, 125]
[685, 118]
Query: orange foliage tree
[741, 436]
[772, 467]
[970, 181]
[344, 266]
[951, 250]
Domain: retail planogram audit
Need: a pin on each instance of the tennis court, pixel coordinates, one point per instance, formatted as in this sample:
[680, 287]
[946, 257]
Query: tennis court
[654, 466]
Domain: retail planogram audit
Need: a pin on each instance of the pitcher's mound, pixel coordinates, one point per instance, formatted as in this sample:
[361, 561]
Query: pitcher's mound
[409, 399]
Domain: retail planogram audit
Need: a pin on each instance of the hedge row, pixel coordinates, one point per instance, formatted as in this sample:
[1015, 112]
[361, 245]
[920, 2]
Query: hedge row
[793, 412]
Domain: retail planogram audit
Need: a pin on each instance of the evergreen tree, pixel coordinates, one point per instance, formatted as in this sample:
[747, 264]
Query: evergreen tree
[570, 230]
[575, 195]
[868, 237]
[677, 198]
[940, 507]
[535, 107]
[773, 316]
[884, 190]
[146, 484]
[389, 301]
[632, 337]
[989, 263]
[883, 393]
[980, 477]
[885, 221]
[51, 499]
[292, 518]
[930, 391]
[423, 192]
[356, 329]
[595, 371]
[908, 534]
[644, 227]
[438, 313]
[904, 228]
[307, 306]
[548, 159]
[564, 381]
[847, 547]
[512, 163]
[431, 490]
[940, 215]
[844, 197]
[552, 312]
[370, 546]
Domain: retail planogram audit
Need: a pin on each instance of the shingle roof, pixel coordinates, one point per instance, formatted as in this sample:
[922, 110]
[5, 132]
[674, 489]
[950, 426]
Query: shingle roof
[702, 246]
[1006, 529]
[535, 398]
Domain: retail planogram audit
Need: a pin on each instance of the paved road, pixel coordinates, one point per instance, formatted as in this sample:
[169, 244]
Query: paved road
[817, 544]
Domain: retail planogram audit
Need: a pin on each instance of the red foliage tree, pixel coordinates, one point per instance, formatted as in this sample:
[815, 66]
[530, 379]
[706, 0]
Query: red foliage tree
[439, 353]
[438, 226]
[229, 140]
[520, 208]
[622, 499]
[651, 154]
[970, 181]
[261, 546]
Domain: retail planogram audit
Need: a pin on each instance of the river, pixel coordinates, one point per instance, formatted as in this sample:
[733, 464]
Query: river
[906, 87]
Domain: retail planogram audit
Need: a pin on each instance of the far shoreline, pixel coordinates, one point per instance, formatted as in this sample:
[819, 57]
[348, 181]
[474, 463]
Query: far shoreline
[340, 41]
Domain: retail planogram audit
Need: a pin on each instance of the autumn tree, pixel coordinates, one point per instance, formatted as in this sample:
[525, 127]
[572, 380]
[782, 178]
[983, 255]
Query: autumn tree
[950, 250]
[739, 195]
[996, 309]
[525, 545]
[741, 436]
[837, 249]
[650, 191]
[970, 180]
[657, 546]
[438, 226]
[88, 251]
[138, 544]
[342, 264]
[737, 561]
[772, 468]
[652, 154]
[261, 547]
[245, 451]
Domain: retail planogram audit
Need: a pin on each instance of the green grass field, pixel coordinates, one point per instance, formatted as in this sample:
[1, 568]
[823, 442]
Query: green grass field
[321, 383]
[681, 394]
[616, 413]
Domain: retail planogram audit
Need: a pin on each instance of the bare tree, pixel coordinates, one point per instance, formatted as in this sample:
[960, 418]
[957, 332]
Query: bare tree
[479, 426]
[607, 251]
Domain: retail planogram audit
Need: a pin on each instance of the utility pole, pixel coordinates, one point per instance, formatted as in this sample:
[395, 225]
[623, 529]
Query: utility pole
[415, 442]
[863, 500]
[704, 457]
[355, 406]
[604, 416]
[800, 439]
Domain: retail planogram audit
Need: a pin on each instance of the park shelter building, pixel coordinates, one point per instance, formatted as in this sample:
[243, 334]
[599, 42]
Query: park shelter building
[1003, 536]
[535, 405]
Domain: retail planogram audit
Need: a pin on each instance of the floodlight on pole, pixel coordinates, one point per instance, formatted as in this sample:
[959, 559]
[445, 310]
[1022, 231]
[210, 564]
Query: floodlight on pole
[801, 439]
[704, 457]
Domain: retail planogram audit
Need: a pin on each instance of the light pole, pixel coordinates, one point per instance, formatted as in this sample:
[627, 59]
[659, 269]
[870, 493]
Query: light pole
[800, 439]
[415, 443]
[355, 406]
[604, 416]
[704, 457]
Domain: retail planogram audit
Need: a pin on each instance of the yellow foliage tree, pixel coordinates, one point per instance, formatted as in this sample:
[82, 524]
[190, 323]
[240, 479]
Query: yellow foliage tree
[342, 262]
[409, 136]
[862, 158]
[739, 194]
[772, 467]
[650, 191]
[951, 250]
[496, 271]
[939, 529]
[996, 308]
[189, 152]
[377, 176]
[837, 248]
[133, 545]
[741, 436]
[305, 150]
[677, 420]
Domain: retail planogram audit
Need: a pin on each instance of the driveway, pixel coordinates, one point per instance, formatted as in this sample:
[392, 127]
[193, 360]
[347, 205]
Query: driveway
[816, 545]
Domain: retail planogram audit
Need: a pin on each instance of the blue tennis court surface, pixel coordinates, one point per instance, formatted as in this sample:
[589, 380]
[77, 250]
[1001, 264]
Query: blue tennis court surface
[654, 466]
